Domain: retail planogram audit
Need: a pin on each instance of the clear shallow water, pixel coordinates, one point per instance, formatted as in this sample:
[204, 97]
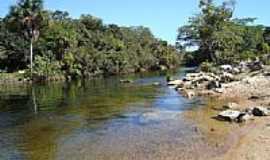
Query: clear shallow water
[99, 119]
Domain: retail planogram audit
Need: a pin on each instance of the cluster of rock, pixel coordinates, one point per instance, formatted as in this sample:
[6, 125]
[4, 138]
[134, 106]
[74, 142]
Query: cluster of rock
[202, 83]
[221, 81]
[233, 113]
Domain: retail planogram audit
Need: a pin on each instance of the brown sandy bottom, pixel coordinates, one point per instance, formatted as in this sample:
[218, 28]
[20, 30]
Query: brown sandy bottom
[165, 140]
[226, 136]
[245, 141]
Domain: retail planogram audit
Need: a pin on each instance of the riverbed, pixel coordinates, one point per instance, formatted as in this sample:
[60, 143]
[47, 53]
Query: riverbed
[103, 119]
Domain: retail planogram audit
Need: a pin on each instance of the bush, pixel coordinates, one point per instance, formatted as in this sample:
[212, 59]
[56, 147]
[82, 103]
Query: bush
[45, 67]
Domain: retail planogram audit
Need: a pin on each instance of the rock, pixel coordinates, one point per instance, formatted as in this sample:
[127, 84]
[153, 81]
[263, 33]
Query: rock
[254, 98]
[227, 77]
[206, 93]
[163, 68]
[169, 78]
[229, 115]
[142, 70]
[243, 117]
[186, 84]
[156, 84]
[260, 111]
[257, 65]
[175, 82]
[21, 72]
[251, 80]
[227, 68]
[236, 71]
[126, 81]
[213, 84]
[232, 106]
[219, 90]
[267, 74]
[249, 110]
[193, 75]
[187, 93]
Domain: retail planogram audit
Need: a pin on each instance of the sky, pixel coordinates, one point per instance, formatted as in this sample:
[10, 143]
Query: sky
[163, 17]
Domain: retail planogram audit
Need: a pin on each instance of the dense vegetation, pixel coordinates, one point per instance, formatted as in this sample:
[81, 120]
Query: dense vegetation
[216, 37]
[52, 43]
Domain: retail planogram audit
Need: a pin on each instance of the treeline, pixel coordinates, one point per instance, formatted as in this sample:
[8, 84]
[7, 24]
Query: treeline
[215, 36]
[57, 44]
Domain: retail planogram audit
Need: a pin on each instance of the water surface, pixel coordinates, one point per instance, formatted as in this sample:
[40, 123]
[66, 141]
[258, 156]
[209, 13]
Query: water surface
[99, 119]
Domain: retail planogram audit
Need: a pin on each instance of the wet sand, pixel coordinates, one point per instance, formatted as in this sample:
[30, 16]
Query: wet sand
[247, 141]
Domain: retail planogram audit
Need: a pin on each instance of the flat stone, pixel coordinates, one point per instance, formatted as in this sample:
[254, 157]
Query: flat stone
[175, 82]
[229, 115]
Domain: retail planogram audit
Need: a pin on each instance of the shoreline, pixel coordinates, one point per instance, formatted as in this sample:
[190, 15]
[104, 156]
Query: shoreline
[252, 89]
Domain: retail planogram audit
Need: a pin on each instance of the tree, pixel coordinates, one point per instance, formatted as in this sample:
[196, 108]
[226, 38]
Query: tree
[76, 48]
[26, 18]
[203, 30]
[220, 38]
[266, 35]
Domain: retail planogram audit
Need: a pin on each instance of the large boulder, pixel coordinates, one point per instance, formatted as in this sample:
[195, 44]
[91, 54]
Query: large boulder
[229, 115]
[260, 111]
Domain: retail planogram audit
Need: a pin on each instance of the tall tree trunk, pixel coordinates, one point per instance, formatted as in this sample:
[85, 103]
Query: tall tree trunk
[31, 56]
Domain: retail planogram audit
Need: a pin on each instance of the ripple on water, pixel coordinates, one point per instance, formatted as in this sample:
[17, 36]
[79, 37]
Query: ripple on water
[99, 120]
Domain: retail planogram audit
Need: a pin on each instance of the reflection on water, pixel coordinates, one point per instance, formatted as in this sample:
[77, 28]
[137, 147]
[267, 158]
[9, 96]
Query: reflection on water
[98, 119]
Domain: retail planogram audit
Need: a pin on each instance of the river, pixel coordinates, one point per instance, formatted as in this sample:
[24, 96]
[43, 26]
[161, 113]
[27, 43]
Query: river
[100, 119]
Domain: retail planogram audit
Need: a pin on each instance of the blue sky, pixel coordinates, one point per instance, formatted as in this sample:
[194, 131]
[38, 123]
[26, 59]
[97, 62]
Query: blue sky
[163, 17]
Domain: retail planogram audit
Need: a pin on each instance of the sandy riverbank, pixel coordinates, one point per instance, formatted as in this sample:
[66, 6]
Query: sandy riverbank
[255, 143]
[245, 141]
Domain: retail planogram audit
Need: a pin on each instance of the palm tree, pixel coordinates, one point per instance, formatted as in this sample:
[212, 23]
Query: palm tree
[26, 18]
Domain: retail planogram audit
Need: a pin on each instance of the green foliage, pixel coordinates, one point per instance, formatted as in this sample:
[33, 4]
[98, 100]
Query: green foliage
[80, 47]
[46, 66]
[12, 50]
[220, 38]
[266, 35]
